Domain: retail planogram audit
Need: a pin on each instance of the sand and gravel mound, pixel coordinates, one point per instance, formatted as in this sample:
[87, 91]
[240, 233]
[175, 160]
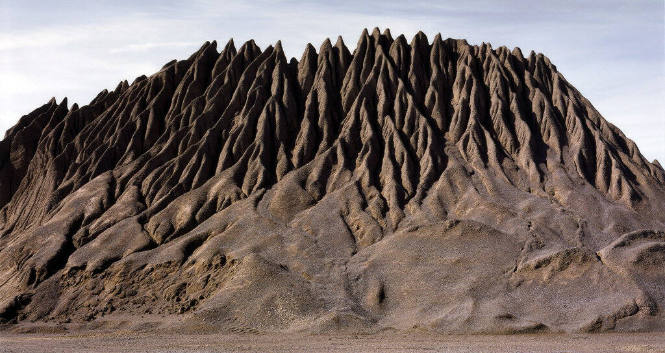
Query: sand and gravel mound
[432, 184]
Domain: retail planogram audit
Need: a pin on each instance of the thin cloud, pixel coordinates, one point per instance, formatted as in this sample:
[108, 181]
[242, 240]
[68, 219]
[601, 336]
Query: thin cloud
[148, 46]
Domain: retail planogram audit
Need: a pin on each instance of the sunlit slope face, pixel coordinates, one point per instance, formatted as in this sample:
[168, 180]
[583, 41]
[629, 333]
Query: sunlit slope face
[432, 184]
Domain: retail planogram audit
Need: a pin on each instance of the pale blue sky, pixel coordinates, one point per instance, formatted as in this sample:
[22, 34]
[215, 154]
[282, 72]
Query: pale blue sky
[613, 51]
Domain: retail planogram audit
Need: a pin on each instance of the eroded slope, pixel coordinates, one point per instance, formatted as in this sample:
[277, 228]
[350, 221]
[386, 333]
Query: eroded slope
[439, 185]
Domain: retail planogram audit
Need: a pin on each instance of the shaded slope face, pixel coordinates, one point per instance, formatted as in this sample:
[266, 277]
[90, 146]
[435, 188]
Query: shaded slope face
[426, 184]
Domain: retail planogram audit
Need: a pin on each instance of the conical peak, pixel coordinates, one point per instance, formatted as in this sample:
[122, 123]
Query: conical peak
[484, 48]
[419, 39]
[340, 42]
[309, 51]
[229, 47]
[278, 46]
[278, 52]
[249, 49]
[139, 79]
[120, 87]
[376, 33]
[309, 56]
[387, 34]
[518, 53]
[326, 45]
[401, 40]
[326, 51]
[364, 40]
[204, 49]
[381, 40]
[341, 46]
[250, 45]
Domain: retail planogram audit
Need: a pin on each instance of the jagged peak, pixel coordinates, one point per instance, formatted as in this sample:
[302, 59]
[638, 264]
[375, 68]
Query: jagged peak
[401, 41]
[437, 38]
[518, 53]
[229, 49]
[387, 34]
[364, 40]
[309, 52]
[278, 53]
[249, 47]
[278, 47]
[340, 43]
[204, 48]
[325, 46]
[419, 39]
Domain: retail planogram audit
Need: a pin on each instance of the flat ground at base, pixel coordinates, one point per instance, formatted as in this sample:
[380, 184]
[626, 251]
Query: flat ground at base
[383, 342]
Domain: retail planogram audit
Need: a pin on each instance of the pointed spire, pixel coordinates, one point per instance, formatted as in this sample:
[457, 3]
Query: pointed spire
[325, 51]
[387, 34]
[518, 53]
[279, 52]
[400, 41]
[309, 51]
[420, 39]
[206, 46]
[224, 58]
[326, 45]
[363, 40]
[230, 46]
[249, 48]
[119, 87]
[399, 52]
[340, 42]
[307, 68]
[343, 51]
[376, 33]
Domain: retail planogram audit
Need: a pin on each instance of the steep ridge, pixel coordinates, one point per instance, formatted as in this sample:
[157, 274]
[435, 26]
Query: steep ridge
[434, 184]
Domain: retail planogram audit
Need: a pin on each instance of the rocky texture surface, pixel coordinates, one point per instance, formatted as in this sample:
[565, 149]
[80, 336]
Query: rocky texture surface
[434, 184]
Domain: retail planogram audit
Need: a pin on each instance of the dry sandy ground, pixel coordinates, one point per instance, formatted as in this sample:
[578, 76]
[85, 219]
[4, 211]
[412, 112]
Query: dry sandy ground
[384, 342]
